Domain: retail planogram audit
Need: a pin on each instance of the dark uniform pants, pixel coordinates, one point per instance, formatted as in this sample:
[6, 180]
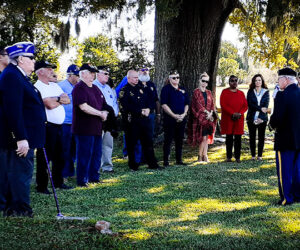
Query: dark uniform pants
[54, 152]
[288, 172]
[15, 183]
[174, 130]
[140, 129]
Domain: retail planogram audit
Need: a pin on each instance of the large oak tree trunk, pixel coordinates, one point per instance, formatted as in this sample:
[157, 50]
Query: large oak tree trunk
[191, 41]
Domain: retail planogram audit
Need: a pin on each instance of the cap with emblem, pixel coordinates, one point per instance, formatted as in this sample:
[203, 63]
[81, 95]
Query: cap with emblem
[20, 49]
[89, 67]
[173, 72]
[287, 72]
[103, 68]
[43, 64]
[73, 69]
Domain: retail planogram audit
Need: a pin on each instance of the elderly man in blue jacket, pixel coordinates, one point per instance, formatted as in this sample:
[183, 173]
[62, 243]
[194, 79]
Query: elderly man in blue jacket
[286, 120]
[23, 118]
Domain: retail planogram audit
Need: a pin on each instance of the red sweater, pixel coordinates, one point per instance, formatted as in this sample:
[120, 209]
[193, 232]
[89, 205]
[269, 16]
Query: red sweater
[232, 102]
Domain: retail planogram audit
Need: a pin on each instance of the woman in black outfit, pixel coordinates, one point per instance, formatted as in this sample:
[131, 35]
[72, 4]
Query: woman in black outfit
[258, 101]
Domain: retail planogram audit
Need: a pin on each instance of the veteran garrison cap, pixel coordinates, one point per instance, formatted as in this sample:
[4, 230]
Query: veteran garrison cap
[287, 72]
[20, 49]
[43, 64]
[89, 67]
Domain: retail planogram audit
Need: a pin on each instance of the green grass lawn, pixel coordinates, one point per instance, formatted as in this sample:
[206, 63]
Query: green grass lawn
[214, 206]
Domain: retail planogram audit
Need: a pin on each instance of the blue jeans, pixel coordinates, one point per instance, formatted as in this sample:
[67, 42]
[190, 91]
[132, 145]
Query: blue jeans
[88, 152]
[69, 151]
[137, 150]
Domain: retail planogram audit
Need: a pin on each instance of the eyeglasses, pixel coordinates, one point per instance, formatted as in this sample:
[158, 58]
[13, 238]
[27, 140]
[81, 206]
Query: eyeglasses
[204, 81]
[279, 77]
[104, 73]
[30, 57]
[3, 54]
[176, 77]
[145, 69]
[233, 80]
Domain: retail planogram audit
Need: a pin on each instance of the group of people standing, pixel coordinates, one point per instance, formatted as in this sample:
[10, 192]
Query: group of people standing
[76, 119]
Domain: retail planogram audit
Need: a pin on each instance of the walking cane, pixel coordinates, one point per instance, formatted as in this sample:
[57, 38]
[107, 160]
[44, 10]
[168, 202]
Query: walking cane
[59, 215]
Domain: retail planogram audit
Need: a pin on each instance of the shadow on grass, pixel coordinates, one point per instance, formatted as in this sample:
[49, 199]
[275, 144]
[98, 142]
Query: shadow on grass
[216, 205]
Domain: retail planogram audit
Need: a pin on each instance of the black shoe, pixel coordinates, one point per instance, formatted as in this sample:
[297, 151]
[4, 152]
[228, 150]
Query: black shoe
[238, 161]
[64, 186]
[166, 163]
[133, 169]
[44, 191]
[180, 163]
[279, 203]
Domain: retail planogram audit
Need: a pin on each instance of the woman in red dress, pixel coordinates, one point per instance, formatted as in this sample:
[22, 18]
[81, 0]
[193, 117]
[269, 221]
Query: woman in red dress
[233, 105]
[202, 122]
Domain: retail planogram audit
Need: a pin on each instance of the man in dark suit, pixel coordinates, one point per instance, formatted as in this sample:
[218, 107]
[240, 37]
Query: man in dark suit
[23, 114]
[286, 120]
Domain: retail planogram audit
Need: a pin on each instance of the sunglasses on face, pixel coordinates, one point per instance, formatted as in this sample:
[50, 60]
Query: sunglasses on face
[175, 77]
[205, 81]
[143, 70]
[3, 54]
[233, 80]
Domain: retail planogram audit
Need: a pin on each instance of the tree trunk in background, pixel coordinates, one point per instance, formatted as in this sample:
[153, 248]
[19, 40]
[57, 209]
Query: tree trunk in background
[190, 42]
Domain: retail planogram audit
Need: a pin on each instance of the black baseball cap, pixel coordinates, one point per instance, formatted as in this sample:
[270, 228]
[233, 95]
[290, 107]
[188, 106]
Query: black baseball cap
[89, 67]
[43, 64]
[103, 68]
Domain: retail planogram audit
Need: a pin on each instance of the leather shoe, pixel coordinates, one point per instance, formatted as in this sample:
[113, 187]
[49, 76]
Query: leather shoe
[45, 191]
[166, 163]
[238, 161]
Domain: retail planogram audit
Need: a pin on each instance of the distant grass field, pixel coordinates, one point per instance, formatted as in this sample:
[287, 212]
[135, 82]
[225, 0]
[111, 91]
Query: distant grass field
[214, 206]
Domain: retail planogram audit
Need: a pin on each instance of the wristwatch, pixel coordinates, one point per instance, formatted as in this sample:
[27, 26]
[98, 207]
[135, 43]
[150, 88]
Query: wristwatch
[58, 99]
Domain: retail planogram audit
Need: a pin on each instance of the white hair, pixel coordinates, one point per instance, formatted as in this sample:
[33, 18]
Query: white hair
[292, 78]
[80, 73]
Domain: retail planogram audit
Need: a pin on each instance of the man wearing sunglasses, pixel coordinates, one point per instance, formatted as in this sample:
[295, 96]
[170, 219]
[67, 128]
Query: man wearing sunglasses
[110, 96]
[151, 92]
[22, 110]
[286, 122]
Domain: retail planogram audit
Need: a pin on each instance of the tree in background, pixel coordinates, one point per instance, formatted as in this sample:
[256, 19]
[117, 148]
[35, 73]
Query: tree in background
[271, 32]
[230, 63]
[187, 32]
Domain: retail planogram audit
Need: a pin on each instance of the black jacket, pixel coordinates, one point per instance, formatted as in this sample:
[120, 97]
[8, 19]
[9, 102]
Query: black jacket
[22, 111]
[286, 119]
[253, 105]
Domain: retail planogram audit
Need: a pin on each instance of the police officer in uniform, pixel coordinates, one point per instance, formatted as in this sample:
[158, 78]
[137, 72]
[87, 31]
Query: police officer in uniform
[135, 112]
[175, 103]
[286, 120]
